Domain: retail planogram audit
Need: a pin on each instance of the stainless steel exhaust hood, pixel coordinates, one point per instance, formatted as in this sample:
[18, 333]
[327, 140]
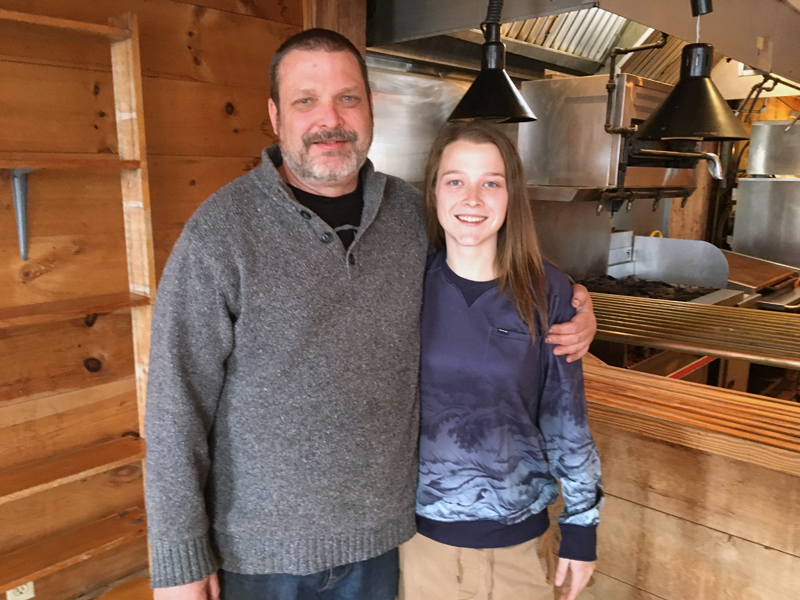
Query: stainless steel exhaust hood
[759, 33]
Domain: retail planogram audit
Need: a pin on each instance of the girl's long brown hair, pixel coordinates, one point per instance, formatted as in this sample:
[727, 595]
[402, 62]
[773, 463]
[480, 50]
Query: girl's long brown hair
[519, 264]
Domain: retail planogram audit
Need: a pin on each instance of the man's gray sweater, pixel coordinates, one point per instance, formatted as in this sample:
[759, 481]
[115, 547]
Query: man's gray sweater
[282, 403]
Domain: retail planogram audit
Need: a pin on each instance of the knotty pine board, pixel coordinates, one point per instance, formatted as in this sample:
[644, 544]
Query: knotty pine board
[61, 267]
[76, 244]
[281, 11]
[69, 506]
[101, 571]
[45, 426]
[54, 356]
[54, 109]
[177, 40]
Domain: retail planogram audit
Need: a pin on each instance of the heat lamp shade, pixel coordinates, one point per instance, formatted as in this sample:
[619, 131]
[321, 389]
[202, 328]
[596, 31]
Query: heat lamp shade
[492, 96]
[695, 108]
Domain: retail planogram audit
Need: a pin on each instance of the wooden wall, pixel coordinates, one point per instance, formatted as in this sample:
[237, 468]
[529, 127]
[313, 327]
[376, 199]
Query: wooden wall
[682, 524]
[67, 385]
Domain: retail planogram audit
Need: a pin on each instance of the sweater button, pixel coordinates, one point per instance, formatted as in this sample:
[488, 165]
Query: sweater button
[351, 259]
[326, 238]
[305, 214]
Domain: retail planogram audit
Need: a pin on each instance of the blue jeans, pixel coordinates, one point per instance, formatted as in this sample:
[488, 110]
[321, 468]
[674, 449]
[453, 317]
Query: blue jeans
[373, 579]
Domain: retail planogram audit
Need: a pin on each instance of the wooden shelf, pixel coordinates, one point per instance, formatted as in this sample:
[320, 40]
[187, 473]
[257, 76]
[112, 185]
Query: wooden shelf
[114, 33]
[60, 552]
[31, 478]
[45, 160]
[59, 310]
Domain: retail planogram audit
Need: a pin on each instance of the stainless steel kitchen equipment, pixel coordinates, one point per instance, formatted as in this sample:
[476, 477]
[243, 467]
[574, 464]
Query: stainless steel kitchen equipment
[767, 221]
[687, 262]
[569, 156]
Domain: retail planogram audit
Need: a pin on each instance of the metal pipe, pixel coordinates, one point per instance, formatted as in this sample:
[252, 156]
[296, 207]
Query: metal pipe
[611, 86]
[714, 163]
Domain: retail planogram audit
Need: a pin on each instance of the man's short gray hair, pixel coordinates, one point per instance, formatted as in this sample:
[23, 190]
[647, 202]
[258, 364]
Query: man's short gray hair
[313, 39]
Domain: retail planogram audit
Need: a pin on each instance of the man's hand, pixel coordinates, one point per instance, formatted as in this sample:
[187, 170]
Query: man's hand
[573, 338]
[581, 572]
[205, 589]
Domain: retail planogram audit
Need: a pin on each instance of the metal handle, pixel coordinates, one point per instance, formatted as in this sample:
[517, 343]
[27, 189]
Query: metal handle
[714, 163]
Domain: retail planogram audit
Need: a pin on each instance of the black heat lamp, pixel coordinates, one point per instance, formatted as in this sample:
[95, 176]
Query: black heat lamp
[694, 109]
[492, 96]
[701, 7]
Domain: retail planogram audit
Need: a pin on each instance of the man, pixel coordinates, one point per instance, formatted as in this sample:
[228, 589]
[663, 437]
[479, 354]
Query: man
[282, 411]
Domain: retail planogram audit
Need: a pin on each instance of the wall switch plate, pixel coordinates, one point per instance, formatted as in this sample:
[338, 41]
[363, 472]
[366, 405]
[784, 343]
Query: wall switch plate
[22, 592]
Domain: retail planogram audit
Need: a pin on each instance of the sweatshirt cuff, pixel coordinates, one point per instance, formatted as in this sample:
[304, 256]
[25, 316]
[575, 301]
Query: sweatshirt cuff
[179, 563]
[578, 542]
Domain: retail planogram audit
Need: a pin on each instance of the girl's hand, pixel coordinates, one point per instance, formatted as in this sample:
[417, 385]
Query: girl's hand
[581, 572]
[574, 337]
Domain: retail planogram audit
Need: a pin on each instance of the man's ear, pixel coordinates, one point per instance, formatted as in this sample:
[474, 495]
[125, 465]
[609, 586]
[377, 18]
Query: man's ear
[273, 115]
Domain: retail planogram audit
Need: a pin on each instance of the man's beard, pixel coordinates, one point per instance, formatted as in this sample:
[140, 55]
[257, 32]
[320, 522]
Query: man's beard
[305, 167]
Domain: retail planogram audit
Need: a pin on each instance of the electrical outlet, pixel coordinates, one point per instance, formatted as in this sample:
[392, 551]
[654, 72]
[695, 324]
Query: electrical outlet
[23, 592]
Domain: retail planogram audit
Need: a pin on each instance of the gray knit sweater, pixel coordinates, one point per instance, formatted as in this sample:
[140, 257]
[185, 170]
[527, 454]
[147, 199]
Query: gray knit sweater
[282, 403]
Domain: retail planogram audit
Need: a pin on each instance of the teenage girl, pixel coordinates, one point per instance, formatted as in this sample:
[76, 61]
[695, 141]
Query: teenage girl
[503, 418]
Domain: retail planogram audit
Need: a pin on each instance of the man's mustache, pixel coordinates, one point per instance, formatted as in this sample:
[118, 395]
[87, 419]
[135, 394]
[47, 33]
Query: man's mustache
[329, 134]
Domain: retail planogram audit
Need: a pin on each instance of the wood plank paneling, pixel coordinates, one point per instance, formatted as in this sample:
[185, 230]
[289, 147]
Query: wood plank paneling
[65, 355]
[282, 11]
[76, 225]
[675, 559]
[71, 548]
[51, 109]
[178, 41]
[180, 184]
[45, 312]
[603, 587]
[164, 240]
[65, 203]
[198, 119]
[137, 588]
[48, 425]
[90, 576]
[64, 508]
[63, 267]
[33, 478]
[348, 17]
[721, 493]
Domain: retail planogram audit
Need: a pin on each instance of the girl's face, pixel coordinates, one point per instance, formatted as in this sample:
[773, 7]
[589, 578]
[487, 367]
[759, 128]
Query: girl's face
[471, 194]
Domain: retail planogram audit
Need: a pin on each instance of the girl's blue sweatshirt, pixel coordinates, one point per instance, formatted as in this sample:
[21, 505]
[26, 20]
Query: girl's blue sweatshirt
[503, 418]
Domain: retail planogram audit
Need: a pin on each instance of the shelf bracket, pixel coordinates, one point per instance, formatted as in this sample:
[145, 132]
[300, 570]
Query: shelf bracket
[19, 187]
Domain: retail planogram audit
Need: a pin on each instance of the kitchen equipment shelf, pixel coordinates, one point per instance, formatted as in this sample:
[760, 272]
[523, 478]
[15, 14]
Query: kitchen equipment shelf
[60, 552]
[725, 422]
[758, 336]
[59, 310]
[27, 479]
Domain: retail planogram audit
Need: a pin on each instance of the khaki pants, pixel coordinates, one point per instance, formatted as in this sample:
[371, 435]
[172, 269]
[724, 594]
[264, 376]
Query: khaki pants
[433, 571]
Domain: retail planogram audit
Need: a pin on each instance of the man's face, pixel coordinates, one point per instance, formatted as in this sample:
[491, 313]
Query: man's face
[324, 124]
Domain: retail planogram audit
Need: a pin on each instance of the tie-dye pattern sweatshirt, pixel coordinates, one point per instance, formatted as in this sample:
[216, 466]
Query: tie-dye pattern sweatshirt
[503, 419]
